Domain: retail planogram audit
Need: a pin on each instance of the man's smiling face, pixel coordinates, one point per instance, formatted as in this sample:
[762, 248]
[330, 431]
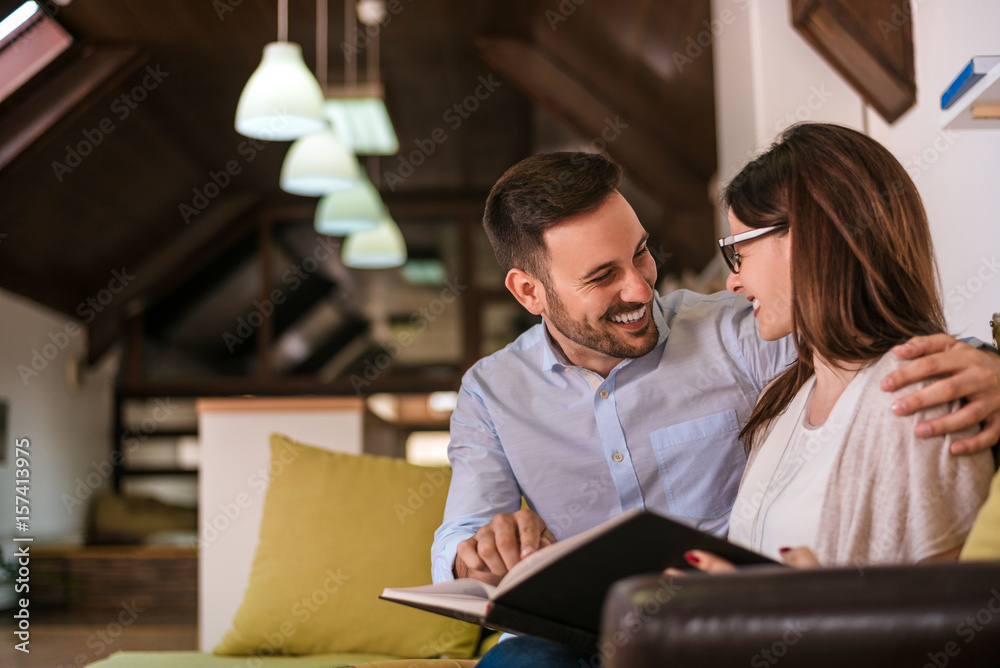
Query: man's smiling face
[599, 288]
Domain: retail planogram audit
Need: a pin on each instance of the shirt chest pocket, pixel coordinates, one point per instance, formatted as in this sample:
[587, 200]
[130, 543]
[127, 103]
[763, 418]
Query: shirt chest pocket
[701, 462]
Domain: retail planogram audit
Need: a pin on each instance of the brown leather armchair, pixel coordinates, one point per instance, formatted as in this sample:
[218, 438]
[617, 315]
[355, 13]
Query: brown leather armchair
[927, 616]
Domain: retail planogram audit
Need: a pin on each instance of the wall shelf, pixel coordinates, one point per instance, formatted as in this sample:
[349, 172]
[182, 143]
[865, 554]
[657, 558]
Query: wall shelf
[982, 99]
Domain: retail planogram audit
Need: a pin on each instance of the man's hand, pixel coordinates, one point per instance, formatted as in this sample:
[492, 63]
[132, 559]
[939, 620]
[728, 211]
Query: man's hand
[967, 373]
[496, 547]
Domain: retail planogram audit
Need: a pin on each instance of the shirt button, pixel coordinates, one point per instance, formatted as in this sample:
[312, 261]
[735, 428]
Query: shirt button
[618, 457]
[604, 394]
[568, 370]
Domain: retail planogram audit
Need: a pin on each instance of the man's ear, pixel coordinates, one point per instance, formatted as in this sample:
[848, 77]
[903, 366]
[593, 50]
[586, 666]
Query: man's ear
[527, 290]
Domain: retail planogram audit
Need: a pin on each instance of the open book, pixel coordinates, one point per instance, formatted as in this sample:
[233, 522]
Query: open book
[558, 592]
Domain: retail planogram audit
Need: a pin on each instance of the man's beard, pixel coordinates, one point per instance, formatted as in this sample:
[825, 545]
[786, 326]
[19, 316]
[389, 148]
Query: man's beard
[625, 344]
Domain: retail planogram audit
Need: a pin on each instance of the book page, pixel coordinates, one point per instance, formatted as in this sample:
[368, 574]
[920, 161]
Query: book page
[533, 563]
[465, 587]
[469, 596]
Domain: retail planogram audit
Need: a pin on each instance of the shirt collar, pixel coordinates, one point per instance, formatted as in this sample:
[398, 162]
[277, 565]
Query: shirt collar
[554, 358]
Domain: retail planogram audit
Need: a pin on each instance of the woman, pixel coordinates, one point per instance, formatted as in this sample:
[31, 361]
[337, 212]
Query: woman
[830, 242]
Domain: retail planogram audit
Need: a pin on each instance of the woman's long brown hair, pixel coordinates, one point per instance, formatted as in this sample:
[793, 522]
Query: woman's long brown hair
[862, 261]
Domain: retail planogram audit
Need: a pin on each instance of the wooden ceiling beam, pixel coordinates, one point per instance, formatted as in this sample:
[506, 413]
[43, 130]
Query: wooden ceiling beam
[191, 249]
[60, 98]
[608, 48]
[610, 129]
[216, 228]
[648, 163]
[401, 380]
[870, 42]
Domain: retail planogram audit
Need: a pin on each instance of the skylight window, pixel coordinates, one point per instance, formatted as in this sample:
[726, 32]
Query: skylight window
[18, 18]
[30, 39]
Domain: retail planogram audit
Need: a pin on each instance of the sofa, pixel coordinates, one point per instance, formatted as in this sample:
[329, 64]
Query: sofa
[331, 530]
[336, 528]
[936, 616]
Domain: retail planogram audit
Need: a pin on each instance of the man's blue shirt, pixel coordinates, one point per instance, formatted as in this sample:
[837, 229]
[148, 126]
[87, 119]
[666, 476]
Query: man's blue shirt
[660, 432]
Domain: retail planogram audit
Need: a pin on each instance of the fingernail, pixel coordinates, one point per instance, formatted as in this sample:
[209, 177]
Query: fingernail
[899, 407]
[784, 550]
[526, 551]
[888, 384]
[692, 558]
[922, 430]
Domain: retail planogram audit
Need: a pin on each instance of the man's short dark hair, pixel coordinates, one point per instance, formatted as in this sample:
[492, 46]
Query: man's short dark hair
[537, 193]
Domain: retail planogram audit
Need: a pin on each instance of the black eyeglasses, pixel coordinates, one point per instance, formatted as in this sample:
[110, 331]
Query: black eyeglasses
[728, 244]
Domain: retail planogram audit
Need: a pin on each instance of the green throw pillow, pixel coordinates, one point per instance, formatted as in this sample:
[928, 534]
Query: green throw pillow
[337, 529]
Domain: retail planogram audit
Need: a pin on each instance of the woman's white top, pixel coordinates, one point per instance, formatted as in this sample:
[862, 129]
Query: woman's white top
[781, 495]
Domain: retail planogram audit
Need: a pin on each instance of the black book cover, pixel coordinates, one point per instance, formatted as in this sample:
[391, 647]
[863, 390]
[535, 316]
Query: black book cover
[558, 593]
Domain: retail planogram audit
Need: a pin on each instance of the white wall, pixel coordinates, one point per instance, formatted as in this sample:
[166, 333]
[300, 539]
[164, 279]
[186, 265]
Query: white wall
[767, 76]
[236, 464]
[69, 428]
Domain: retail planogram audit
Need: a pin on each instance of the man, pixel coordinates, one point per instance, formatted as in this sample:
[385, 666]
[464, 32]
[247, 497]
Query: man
[621, 399]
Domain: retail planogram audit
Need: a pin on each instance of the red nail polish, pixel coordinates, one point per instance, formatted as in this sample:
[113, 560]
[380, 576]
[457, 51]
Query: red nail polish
[784, 550]
[692, 558]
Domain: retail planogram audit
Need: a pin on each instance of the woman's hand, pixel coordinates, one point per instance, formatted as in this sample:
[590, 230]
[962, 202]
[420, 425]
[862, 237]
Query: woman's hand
[796, 557]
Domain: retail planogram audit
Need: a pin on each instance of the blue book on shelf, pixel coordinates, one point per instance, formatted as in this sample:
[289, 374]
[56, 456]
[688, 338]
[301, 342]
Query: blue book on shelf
[973, 72]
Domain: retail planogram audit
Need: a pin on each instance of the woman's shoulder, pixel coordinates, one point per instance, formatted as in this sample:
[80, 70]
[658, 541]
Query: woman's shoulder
[876, 420]
[879, 402]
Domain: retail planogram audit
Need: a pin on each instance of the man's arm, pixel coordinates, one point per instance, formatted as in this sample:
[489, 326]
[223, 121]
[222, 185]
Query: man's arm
[483, 532]
[965, 373]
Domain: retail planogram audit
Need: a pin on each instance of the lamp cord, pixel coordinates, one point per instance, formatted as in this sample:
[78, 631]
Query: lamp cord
[350, 25]
[321, 43]
[372, 58]
[282, 20]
